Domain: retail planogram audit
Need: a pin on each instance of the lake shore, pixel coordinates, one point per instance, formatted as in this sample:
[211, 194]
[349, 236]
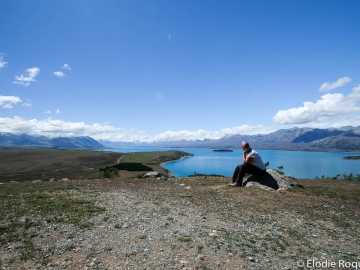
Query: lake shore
[129, 221]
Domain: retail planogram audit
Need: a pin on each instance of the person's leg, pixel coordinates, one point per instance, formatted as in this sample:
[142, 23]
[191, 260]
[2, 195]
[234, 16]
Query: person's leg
[243, 169]
[253, 170]
[236, 173]
[248, 168]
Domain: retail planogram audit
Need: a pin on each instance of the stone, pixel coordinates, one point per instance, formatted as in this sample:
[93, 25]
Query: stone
[152, 174]
[36, 181]
[213, 233]
[65, 179]
[272, 180]
[142, 236]
[4, 226]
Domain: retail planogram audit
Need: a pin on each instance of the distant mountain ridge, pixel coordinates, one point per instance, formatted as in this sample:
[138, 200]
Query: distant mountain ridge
[25, 140]
[308, 139]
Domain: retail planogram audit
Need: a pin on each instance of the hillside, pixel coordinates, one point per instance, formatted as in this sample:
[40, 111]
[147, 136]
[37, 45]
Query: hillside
[25, 140]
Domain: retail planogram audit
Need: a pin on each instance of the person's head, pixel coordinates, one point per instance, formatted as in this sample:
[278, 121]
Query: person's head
[245, 146]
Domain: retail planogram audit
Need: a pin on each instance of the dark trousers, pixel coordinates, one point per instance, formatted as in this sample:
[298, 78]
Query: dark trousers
[243, 169]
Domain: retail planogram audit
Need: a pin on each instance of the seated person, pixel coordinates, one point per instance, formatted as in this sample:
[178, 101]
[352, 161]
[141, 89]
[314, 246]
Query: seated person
[253, 164]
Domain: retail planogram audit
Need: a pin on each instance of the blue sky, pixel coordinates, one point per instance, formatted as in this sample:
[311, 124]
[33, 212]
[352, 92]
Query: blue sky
[143, 70]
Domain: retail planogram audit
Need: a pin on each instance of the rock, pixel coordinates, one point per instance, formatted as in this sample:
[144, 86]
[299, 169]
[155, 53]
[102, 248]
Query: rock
[258, 185]
[4, 226]
[294, 186]
[23, 221]
[52, 180]
[271, 180]
[65, 179]
[152, 174]
[36, 181]
[213, 233]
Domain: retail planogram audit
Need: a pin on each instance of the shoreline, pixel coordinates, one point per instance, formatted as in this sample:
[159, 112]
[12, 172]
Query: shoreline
[173, 161]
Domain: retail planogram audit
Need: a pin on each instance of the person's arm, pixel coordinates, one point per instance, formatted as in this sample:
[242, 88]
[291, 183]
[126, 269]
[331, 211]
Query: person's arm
[249, 158]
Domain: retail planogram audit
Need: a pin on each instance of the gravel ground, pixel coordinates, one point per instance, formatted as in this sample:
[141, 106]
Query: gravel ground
[192, 223]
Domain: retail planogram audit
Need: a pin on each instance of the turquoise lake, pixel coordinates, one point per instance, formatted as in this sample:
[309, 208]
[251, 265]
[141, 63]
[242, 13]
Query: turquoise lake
[299, 164]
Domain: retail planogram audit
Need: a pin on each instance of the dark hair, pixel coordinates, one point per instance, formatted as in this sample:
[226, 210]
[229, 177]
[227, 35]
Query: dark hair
[245, 144]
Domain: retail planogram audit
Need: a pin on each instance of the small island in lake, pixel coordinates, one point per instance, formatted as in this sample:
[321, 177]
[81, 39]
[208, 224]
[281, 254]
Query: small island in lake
[223, 150]
[352, 157]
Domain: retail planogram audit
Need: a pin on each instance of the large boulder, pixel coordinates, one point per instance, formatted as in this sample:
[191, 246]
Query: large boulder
[271, 180]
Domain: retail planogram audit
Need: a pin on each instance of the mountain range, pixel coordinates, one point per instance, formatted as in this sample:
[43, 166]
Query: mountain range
[308, 139]
[25, 140]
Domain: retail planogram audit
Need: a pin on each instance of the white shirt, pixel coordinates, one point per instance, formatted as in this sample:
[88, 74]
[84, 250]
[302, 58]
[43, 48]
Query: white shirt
[256, 160]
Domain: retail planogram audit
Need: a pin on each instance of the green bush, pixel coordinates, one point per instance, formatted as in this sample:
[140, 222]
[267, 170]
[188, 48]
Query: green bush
[113, 171]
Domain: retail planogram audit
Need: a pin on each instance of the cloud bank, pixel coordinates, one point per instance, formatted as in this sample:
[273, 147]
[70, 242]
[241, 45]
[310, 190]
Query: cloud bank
[329, 108]
[54, 127]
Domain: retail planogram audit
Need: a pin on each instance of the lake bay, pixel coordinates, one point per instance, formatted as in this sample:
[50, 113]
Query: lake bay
[299, 164]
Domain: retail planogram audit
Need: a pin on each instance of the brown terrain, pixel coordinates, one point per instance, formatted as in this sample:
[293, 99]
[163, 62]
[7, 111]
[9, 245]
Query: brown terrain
[57, 213]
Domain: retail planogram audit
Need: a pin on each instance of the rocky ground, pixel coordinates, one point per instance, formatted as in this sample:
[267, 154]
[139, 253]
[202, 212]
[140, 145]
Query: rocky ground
[131, 222]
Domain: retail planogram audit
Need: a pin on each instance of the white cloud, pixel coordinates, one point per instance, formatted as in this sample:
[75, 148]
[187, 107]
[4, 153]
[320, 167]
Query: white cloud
[59, 74]
[64, 70]
[9, 102]
[54, 127]
[28, 77]
[341, 82]
[66, 67]
[330, 108]
[57, 111]
[202, 134]
[3, 62]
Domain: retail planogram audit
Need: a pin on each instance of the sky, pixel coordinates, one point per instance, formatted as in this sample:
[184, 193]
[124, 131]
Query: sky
[156, 70]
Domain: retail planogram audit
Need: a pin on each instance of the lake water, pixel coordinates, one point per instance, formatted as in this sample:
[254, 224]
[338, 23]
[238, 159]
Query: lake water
[299, 164]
